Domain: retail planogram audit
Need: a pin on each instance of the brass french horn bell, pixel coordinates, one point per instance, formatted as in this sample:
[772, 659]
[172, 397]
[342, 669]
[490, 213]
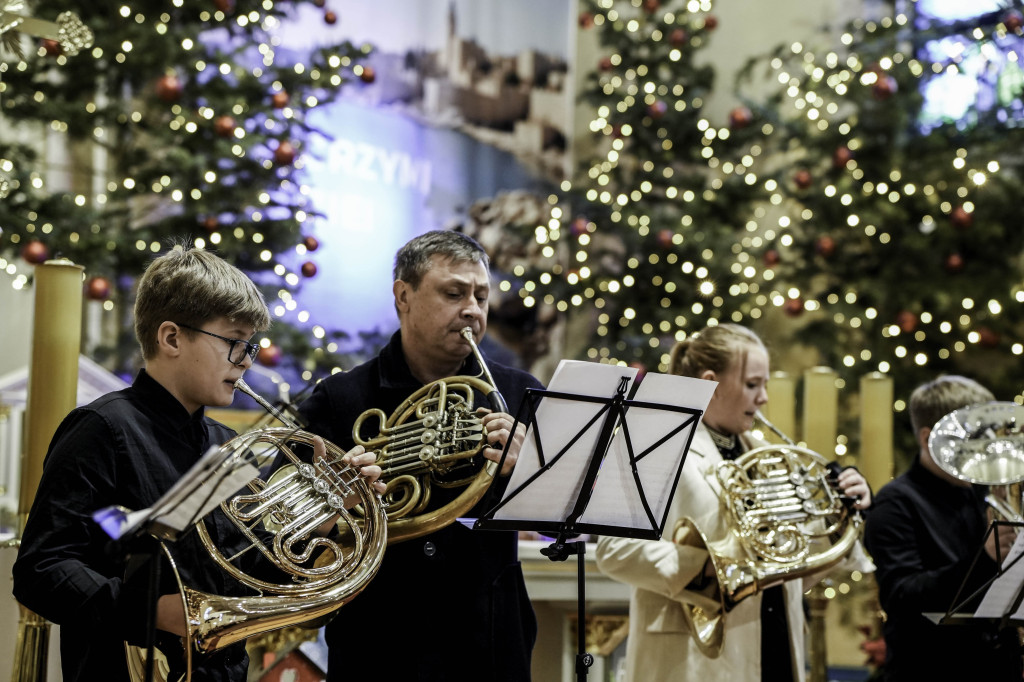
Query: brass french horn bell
[984, 444]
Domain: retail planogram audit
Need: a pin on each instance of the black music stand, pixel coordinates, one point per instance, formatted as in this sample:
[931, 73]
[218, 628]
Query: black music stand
[598, 464]
[1004, 591]
[211, 480]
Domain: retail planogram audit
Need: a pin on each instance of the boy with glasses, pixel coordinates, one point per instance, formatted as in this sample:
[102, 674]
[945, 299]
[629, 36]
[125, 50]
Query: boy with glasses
[194, 314]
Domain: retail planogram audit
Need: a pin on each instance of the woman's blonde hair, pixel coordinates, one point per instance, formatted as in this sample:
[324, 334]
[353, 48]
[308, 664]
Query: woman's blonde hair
[714, 348]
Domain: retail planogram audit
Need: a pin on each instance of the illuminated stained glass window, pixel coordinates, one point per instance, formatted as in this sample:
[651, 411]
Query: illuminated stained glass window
[977, 69]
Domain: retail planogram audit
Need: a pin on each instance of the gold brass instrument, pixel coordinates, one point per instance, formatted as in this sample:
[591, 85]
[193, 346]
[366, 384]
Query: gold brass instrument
[785, 517]
[984, 444]
[430, 440]
[279, 517]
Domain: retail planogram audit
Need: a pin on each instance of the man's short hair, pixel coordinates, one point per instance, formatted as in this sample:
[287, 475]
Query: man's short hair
[932, 401]
[415, 258]
[191, 287]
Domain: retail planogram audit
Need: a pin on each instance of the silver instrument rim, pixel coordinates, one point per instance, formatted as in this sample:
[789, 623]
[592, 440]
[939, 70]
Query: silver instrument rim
[982, 443]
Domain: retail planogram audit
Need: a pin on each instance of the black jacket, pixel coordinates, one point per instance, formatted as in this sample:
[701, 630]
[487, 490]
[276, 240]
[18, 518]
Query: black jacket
[451, 605]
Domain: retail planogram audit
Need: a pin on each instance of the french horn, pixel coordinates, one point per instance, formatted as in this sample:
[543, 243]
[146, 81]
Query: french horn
[984, 444]
[785, 516]
[278, 517]
[431, 441]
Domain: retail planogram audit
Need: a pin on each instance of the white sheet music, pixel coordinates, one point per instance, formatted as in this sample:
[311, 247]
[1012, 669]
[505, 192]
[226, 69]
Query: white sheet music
[214, 478]
[552, 495]
[1003, 591]
[615, 499]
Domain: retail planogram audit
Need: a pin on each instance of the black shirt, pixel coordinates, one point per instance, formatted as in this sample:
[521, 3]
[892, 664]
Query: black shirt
[451, 604]
[923, 533]
[125, 448]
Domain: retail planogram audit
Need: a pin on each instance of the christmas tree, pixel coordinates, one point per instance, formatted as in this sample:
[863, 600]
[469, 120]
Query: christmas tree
[184, 123]
[898, 246]
[652, 235]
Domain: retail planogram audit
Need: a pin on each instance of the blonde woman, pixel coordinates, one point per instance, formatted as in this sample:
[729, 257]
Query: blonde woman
[764, 633]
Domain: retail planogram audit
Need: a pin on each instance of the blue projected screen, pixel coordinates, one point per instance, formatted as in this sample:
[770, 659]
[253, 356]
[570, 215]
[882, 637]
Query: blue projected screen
[976, 71]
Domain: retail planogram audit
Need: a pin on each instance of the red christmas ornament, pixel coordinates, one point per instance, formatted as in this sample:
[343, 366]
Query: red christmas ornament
[330, 18]
[308, 269]
[711, 22]
[169, 88]
[210, 223]
[51, 47]
[284, 155]
[35, 252]
[665, 239]
[368, 75]
[906, 321]
[803, 178]
[225, 6]
[825, 246]
[678, 37]
[224, 126]
[97, 288]
[740, 117]
[279, 99]
[841, 157]
[961, 218]
[657, 109]
[1013, 21]
[988, 338]
[586, 20]
[771, 258]
[651, 5]
[605, 64]
[884, 88]
[269, 356]
[793, 307]
[310, 243]
[954, 263]
[578, 227]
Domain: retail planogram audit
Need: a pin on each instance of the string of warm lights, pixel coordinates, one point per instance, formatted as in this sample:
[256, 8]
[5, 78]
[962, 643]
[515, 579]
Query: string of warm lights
[887, 239]
[193, 120]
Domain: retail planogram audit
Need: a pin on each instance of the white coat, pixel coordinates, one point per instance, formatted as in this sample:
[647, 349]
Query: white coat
[660, 647]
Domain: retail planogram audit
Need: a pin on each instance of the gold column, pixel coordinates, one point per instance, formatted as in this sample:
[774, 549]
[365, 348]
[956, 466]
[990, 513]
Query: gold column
[876, 424]
[781, 407]
[53, 371]
[821, 410]
[52, 393]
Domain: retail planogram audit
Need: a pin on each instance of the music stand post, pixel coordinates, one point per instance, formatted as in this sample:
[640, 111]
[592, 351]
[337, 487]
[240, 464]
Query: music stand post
[611, 414]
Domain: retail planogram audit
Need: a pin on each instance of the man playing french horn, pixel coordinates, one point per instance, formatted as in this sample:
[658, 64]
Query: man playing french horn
[449, 603]
[194, 314]
[924, 533]
[676, 596]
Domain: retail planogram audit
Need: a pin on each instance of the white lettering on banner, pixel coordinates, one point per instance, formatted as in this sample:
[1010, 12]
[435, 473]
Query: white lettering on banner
[376, 164]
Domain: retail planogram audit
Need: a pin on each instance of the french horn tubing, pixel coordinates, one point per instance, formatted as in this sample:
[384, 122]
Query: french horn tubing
[279, 517]
[785, 517]
[429, 441]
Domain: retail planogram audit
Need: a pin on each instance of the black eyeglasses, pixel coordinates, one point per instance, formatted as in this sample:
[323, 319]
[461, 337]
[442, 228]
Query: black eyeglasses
[237, 348]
